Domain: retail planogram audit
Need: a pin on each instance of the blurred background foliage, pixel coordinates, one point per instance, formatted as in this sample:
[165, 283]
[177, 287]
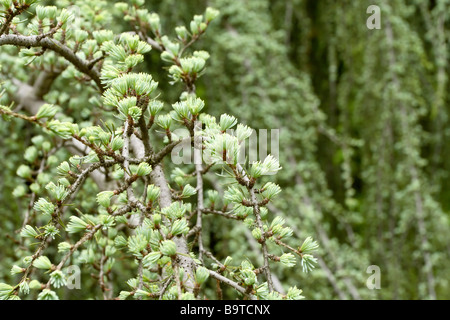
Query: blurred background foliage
[364, 135]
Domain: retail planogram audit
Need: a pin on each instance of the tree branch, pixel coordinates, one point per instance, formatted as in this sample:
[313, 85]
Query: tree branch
[56, 46]
[231, 283]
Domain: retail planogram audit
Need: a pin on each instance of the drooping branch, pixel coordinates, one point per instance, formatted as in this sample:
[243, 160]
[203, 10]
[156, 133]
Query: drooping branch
[257, 213]
[88, 236]
[413, 171]
[165, 200]
[83, 66]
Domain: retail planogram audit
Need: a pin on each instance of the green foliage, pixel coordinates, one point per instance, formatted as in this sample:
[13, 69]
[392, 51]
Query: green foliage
[90, 127]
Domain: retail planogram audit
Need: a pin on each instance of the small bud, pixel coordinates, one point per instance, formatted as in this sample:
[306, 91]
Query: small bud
[6, 4]
[80, 35]
[181, 109]
[65, 16]
[64, 247]
[167, 56]
[44, 206]
[168, 248]
[116, 143]
[152, 192]
[42, 263]
[104, 198]
[151, 258]
[35, 187]
[243, 132]
[24, 288]
[211, 14]
[308, 262]
[120, 241]
[155, 106]
[102, 36]
[121, 6]
[143, 169]
[107, 221]
[188, 191]
[309, 246]
[24, 171]
[213, 195]
[58, 191]
[38, 141]
[179, 227]
[270, 190]
[155, 22]
[19, 191]
[104, 137]
[63, 168]
[124, 295]
[195, 105]
[194, 27]
[51, 12]
[135, 113]
[257, 234]
[35, 285]
[76, 225]
[164, 121]
[288, 260]
[181, 33]
[41, 12]
[249, 277]
[198, 18]
[28, 232]
[57, 279]
[202, 26]
[156, 219]
[201, 275]
[294, 294]
[126, 104]
[46, 146]
[227, 122]
[16, 270]
[30, 154]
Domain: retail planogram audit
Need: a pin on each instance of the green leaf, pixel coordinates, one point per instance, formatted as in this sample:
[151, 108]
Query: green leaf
[201, 275]
[227, 122]
[64, 247]
[47, 294]
[5, 291]
[308, 262]
[288, 260]
[28, 232]
[63, 169]
[179, 227]
[76, 225]
[151, 259]
[294, 294]
[143, 169]
[24, 171]
[309, 246]
[211, 14]
[45, 207]
[42, 263]
[188, 191]
[168, 248]
[104, 198]
[57, 279]
[153, 193]
[16, 270]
